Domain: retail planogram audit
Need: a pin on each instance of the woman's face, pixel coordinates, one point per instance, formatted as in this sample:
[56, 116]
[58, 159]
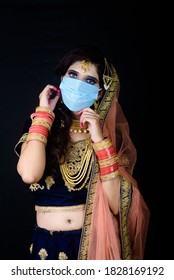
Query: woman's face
[85, 72]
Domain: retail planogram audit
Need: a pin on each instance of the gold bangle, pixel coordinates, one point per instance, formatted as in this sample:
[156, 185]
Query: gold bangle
[42, 123]
[45, 109]
[109, 176]
[42, 120]
[104, 144]
[37, 137]
[108, 161]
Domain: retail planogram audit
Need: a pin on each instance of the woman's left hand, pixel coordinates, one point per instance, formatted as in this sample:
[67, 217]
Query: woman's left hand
[92, 119]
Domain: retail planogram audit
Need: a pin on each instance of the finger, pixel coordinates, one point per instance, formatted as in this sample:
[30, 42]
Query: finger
[87, 110]
[90, 115]
[89, 119]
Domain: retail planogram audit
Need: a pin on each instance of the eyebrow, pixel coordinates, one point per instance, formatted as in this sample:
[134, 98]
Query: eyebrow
[86, 76]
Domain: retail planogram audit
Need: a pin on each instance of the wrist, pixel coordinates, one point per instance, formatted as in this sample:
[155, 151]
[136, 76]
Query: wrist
[97, 140]
[107, 159]
[104, 143]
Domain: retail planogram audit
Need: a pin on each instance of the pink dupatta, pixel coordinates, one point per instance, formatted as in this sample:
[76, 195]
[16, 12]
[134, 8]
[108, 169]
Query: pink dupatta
[109, 237]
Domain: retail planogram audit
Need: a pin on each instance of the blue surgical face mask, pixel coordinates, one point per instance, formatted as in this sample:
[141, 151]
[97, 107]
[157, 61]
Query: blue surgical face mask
[77, 94]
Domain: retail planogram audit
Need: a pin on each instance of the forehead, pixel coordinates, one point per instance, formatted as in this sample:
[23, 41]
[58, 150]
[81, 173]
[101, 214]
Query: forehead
[78, 66]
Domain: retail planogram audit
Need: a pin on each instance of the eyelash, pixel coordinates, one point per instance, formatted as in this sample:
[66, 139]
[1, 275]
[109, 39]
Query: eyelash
[74, 75]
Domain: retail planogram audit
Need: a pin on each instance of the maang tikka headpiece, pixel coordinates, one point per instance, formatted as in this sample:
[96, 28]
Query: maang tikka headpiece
[86, 63]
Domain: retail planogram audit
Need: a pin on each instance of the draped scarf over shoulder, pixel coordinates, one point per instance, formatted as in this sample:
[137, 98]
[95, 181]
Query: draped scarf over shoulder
[127, 232]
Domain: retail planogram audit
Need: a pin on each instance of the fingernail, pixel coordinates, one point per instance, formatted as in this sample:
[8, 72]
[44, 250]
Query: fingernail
[55, 88]
[80, 112]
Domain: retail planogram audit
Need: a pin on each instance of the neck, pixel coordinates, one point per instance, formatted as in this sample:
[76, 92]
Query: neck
[75, 127]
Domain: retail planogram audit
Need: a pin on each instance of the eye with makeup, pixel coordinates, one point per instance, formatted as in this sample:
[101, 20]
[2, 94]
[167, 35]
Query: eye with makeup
[88, 79]
[91, 80]
[73, 74]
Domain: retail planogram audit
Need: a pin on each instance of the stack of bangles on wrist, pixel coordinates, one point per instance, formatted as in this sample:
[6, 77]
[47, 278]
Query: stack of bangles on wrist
[108, 161]
[42, 121]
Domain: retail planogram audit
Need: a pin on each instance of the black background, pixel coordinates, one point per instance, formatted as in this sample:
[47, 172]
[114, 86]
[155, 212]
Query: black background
[34, 34]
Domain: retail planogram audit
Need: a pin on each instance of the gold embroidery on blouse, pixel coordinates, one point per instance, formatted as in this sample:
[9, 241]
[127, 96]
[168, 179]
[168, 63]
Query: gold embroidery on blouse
[34, 187]
[49, 182]
[62, 256]
[77, 166]
[43, 254]
[59, 209]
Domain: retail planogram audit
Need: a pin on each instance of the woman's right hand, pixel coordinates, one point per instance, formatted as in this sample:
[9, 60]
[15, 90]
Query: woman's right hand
[45, 97]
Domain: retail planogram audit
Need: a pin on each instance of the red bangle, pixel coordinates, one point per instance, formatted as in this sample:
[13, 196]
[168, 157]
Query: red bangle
[39, 129]
[108, 169]
[105, 153]
[44, 115]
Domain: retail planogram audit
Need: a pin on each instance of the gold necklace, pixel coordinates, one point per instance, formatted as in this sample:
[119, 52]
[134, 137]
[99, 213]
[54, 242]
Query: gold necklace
[77, 166]
[75, 127]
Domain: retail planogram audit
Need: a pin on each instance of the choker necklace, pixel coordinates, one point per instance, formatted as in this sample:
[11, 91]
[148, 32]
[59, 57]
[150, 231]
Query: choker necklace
[75, 127]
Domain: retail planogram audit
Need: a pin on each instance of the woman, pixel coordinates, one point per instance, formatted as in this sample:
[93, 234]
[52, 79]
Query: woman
[78, 158]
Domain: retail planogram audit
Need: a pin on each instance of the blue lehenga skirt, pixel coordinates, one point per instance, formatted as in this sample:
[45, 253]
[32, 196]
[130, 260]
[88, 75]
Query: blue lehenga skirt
[54, 245]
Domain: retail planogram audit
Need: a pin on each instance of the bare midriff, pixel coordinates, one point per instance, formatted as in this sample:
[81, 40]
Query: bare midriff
[64, 220]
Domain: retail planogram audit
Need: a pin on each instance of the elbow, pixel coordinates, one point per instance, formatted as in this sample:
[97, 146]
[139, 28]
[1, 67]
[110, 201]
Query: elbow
[28, 177]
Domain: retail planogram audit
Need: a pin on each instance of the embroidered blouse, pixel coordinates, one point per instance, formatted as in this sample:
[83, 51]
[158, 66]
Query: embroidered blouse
[51, 191]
